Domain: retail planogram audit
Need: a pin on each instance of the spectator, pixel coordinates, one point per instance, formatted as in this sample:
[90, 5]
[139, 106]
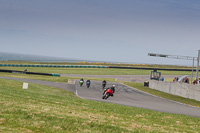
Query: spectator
[175, 79]
[186, 80]
[198, 81]
[195, 82]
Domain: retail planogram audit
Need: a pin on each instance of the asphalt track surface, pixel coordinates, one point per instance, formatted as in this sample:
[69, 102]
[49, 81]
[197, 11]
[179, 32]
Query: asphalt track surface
[123, 95]
[129, 78]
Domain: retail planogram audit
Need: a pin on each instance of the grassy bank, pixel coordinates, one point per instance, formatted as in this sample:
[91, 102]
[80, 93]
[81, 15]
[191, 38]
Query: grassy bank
[96, 63]
[139, 86]
[94, 71]
[49, 78]
[47, 109]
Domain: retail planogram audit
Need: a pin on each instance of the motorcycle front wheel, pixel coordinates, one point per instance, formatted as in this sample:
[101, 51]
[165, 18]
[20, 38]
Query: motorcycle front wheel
[107, 95]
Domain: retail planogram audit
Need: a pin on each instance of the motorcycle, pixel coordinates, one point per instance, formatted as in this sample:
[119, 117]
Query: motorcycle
[88, 84]
[81, 83]
[103, 85]
[107, 93]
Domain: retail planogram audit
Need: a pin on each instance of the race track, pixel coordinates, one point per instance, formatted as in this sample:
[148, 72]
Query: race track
[128, 96]
[129, 78]
[124, 95]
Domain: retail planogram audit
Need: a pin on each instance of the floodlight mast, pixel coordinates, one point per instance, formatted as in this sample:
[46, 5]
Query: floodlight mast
[181, 57]
[198, 65]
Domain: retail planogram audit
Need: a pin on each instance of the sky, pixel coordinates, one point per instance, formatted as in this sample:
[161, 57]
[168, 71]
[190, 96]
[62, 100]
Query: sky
[102, 30]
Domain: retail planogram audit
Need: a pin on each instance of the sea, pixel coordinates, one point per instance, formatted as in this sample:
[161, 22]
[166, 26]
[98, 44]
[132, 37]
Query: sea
[33, 58]
[4, 56]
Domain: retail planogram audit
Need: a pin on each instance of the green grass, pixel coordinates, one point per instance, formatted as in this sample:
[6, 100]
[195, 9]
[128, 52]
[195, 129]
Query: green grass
[39, 77]
[139, 86]
[94, 71]
[72, 114]
[49, 78]
[95, 63]
[48, 109]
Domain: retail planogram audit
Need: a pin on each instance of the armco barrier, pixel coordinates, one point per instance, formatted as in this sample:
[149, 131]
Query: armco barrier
[180, 89]
[23, 72]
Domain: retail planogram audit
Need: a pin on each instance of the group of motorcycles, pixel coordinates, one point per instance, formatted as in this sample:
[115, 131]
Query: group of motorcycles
[107, 92]
[87, 83]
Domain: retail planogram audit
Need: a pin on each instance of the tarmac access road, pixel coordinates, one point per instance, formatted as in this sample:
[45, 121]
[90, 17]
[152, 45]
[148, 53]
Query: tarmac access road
[129, 78]
[123, 95]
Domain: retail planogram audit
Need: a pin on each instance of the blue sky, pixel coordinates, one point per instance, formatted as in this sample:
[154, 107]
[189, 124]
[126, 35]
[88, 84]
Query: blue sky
[102, 30]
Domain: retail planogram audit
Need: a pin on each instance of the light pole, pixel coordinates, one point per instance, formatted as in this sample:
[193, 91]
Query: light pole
[197, 72]
[183, 58]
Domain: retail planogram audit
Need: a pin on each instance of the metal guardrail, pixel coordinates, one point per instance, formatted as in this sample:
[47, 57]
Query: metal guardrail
[35, 73]
[144, 68]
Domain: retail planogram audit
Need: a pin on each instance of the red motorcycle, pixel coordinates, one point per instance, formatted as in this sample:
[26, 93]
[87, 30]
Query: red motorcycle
[107, 93]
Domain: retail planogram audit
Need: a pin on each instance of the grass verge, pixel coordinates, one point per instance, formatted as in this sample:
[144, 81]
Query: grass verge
[49, 78]
[94, 71]
[139, 86]
[48, 109]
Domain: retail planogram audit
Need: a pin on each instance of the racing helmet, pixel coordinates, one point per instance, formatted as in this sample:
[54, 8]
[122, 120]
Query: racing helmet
[113, 86]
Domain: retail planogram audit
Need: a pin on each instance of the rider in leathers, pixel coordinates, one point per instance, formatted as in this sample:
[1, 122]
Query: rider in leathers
[88, 82]
[111, 88]
[104, 83]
